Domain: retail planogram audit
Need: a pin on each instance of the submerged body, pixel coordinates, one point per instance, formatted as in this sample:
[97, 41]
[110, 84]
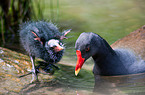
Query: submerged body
[111, 61]
[122, 62]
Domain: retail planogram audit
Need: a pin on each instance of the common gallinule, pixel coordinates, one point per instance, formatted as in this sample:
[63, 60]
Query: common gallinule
[125, 56]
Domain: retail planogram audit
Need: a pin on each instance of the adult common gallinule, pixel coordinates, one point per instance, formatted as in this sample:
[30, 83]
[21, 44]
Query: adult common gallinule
[125, 56]
[43, 40]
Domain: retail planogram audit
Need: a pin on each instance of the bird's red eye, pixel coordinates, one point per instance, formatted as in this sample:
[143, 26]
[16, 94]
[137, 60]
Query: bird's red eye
[87, 49]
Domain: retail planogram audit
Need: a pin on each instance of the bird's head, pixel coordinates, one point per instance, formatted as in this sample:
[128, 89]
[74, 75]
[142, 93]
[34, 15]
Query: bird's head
[86, 46]
[54, 45]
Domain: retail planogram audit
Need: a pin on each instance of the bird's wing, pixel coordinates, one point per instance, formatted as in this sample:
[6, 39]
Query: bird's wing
[37, 38]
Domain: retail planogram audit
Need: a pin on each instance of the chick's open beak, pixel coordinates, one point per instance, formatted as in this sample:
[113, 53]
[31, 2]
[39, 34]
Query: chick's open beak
[58, 48]
[80, 62]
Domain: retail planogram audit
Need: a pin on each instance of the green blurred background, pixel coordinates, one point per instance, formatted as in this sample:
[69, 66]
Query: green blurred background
[111, 19]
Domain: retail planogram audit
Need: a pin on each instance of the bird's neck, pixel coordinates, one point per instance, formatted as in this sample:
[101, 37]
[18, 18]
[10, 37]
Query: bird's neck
[104, 55]
[105, 52]
[107, 61]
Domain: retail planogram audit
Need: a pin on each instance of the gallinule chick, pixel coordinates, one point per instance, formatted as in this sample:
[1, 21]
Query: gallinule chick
[43, 40]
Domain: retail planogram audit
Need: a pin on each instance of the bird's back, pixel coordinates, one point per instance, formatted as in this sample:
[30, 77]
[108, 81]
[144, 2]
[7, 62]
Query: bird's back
[41, 28]
[135, 42]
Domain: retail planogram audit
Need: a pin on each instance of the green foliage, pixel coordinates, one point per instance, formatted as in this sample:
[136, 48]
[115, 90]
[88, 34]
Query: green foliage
[13, 12]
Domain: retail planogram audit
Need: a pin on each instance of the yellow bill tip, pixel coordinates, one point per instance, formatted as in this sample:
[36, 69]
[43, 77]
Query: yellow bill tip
[77, 71]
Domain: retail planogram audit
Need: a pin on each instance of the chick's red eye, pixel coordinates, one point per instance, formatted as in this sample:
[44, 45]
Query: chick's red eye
[87, 49]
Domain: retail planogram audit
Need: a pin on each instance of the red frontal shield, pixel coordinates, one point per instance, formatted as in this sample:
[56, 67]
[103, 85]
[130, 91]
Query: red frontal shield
[80, 62]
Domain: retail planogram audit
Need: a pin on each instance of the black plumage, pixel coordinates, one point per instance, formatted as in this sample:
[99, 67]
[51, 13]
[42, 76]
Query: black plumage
[122, 60]
[43, 40]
